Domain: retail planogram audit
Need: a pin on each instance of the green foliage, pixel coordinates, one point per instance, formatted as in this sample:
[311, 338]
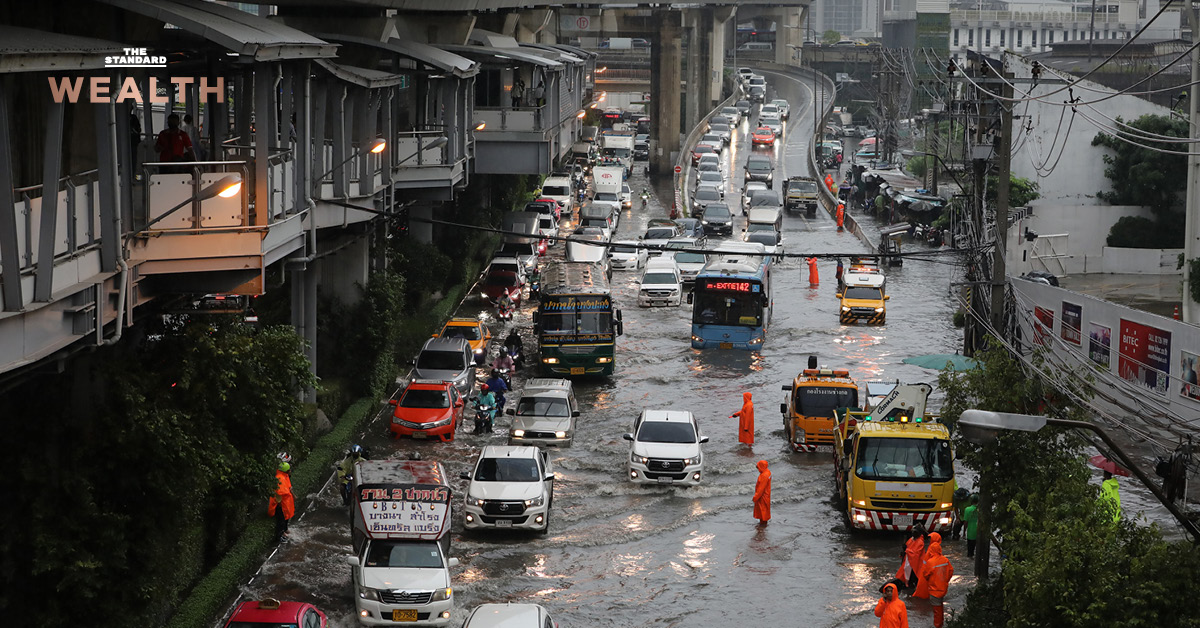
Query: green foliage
[1021, 191]
[212, 593]
[1136, 232]
[1065, 563]
[153, 456]
[1144, 177]
[1193, 278]
[356, 342]
[919, 166]
[831, 37]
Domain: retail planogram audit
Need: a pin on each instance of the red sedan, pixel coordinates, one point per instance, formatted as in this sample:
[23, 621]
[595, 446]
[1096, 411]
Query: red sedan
[271, 613]
[700, 151]
[763, 136]
[427, 409]
[499, 282]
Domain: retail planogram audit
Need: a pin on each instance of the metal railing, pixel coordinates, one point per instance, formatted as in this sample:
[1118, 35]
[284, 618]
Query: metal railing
[511, 118]
[79, 194]
[167, 184]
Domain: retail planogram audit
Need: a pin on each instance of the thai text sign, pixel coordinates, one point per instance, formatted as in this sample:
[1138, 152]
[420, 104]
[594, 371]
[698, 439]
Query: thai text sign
[1145, 355]
[404, 511]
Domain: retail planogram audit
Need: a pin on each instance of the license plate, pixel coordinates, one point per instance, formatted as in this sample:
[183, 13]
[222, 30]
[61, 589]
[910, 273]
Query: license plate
[577, 370]
[726, 345]
[665, 480]
[419, 435]
[506, 523]
[404, 615]
[902, 520]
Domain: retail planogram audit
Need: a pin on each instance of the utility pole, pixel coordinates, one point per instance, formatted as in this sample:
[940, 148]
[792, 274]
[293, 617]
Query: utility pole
[1191, 241]
[1003, 158]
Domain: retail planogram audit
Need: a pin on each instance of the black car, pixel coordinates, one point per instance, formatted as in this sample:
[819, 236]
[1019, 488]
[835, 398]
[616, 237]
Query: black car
[717, 219]
[759, 168]
[743, 106]
[641, 151]
[690, 228]
[704, 196]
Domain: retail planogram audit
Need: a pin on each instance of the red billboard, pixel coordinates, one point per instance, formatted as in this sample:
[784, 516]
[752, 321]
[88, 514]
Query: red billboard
[1145, 356]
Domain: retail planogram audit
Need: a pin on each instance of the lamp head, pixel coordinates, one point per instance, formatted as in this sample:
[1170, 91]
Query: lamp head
[479, 126]
[379, 145]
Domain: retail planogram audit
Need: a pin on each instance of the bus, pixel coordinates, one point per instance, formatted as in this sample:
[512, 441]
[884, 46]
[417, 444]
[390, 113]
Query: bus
[731, 300]
[576, 323]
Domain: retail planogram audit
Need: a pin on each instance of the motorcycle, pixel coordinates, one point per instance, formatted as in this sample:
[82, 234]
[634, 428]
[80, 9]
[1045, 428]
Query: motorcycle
[645, 200]
[484, 416]
[504, 309]
[347, 491]
[518, 358]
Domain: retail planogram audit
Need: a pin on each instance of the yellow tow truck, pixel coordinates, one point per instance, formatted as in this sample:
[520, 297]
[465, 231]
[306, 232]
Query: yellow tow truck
[808, 408]
[893, 464]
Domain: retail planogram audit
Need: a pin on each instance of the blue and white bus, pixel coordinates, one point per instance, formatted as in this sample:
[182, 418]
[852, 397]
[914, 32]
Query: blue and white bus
[731, 300]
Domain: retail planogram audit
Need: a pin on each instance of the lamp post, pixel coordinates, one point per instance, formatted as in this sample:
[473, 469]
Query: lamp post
[226, 187]
[982, 427]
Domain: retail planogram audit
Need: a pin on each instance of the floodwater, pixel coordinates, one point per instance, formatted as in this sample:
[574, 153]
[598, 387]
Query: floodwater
[625, 555]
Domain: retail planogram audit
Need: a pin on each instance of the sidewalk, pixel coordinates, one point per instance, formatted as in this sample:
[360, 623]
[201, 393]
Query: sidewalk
[1157, 294]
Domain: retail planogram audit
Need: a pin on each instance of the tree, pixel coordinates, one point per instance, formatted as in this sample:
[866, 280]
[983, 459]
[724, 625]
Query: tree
[831, 37]
[1144, 176]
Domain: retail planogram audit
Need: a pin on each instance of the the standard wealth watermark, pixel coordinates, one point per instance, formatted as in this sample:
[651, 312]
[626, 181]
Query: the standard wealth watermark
[135, 58]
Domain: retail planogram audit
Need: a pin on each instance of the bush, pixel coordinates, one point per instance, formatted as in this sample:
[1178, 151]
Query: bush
[1136, 232]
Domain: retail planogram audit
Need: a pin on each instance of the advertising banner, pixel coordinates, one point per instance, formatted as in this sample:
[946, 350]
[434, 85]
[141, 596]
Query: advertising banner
[1190, 374]
[1043, 327]
[1072, 323]
[1099, 341]
[1145, 356]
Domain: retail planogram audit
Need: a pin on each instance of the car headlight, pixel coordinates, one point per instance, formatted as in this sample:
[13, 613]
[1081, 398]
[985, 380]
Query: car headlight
[536, 501]
[550, 360]
[696, 339]
[687, 462]
[756, 341]
[441, 595]
[479, 351]
[442, 423]
[368, 593]
[518, 433]
[639, 459]
[560, 434]
[845, 309]
[878, 310]
[704, 222]
[603, 360]
[474, 501]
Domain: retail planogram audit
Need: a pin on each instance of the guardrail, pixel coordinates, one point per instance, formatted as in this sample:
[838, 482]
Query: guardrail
[684, 160]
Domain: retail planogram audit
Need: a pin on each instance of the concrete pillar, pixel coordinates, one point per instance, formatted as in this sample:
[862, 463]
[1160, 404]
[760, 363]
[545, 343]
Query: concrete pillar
[786, 35]
[346, 271]
[666, 67]
[706, 30]
[720, 30]
[418, 227]
[693, 96]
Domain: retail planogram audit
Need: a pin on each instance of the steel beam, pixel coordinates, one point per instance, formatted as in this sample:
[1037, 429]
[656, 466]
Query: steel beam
[107, 146]
[10, 259]
[264, 83]
[43, 282]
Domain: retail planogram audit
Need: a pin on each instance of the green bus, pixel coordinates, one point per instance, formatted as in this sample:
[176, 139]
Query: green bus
[576, 323]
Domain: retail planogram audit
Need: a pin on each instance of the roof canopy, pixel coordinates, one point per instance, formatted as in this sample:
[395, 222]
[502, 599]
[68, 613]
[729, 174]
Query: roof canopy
[30, 50]
[503, 54]
[430, 56]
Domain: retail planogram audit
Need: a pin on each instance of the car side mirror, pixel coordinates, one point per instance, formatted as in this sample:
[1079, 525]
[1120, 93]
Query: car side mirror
[412, 362]
[464, 476]
[549, 477]
[458, 404]
[510, 412]
[886, 297]
[627, 436]
[452, 562]
[351, 560]
[433, 335]
[783, 408]
[848, 445]
[689, 298]
[838, 295]
[575, 413]
[394, 402]
[620, 328]
[786, 387]
[703, 439]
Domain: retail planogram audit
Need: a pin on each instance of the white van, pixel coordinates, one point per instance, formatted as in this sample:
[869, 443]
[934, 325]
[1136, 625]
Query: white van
[561, 190]
[763, 218]
[661, 284]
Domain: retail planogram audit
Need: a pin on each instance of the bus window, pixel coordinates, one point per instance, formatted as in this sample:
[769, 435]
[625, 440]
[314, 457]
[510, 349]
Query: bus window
[595, 322]
[558, 323]
[723, 309]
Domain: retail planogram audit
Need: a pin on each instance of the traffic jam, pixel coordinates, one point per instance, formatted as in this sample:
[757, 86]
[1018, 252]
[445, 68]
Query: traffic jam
[590, 440]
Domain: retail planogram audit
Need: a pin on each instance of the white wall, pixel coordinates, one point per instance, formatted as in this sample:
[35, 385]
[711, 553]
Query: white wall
[1175, 343]
[1077, 231]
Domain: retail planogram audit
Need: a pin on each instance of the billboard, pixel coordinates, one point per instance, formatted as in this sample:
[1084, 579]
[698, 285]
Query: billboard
[1043, 327]
[1072, 323]
[1099, 341]
[1189, 373]
[1145, 356]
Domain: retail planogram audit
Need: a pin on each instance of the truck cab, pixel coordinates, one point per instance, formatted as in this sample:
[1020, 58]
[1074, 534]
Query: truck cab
[862, 297]
[400, 571]
[801, 192]
[808, 408]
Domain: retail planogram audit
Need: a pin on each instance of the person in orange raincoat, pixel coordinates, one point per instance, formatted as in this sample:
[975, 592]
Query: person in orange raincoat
[282, 504]
[841, 216]
[914, 549]
[814, 279]
[746, 425]
[922, 590]
[935, 576]
[890, 609]
[762, 494]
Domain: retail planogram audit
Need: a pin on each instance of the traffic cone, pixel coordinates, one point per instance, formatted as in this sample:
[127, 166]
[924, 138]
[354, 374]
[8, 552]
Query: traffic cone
[1176, 316]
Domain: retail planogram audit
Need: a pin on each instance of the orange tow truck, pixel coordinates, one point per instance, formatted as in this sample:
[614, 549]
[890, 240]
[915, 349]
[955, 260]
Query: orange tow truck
[808, 408]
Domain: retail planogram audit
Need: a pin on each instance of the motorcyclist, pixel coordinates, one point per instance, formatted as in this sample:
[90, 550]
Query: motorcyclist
[645, 196]
[345, 470]
[505, 303]
[485, 398]
[496, 383]
[514, 340]
[504, 361]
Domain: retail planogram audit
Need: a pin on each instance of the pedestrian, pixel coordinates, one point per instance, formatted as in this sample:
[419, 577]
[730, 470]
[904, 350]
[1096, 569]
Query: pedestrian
[922, 590]
[539, 94]
[841, 216]
[890, 609]
[762, 494]
[135, 136]
[1110, 495]
[971, 516]
[936, 577]
[837, 274]
[518, 92]
[910, 554]
[880, 201]
[282, 505]
[962, 497]
[172, 143]
[814, 279]
[746, 416]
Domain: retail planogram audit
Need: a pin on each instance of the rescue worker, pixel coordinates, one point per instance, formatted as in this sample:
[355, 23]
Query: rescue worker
[962, 497]
[345, 470]
[971, 516]
[914, 549]
[762, 494]
[1110, 495]
[813, 278]
[922, 590]
[936, 577]
[746, 422]
[890, 609]
[841, 216]
[837, 274]
[282, 505]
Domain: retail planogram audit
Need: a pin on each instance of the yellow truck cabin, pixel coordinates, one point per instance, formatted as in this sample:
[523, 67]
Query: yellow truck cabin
[808, 408]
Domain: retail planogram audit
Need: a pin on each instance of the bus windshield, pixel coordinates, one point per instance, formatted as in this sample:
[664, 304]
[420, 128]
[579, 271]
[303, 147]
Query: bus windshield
[882, 458]
[821, 401]
[724, 308]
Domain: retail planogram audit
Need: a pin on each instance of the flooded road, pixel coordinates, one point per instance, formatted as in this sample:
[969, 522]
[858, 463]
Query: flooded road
[624, 555]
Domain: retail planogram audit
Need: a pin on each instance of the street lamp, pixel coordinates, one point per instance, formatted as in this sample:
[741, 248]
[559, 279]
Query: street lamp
[983, 427]
[225, 187]
[375, 149]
